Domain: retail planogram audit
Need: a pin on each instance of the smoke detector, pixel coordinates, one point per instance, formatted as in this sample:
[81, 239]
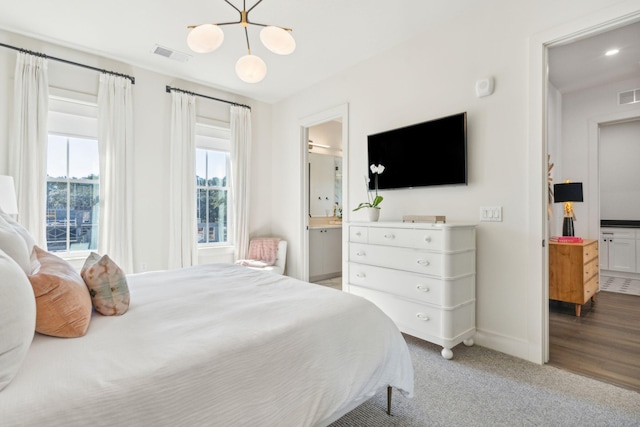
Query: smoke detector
[171, 54]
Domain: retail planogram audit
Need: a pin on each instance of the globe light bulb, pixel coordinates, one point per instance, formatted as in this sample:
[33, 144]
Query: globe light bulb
[251, 69]
[205, 38]
[277, 40]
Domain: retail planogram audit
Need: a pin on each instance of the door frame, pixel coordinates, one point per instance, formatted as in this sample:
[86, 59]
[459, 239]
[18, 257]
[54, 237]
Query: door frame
[538, 285]
[340, 112]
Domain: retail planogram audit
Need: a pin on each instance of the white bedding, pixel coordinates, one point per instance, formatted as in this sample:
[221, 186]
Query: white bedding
[213, 345]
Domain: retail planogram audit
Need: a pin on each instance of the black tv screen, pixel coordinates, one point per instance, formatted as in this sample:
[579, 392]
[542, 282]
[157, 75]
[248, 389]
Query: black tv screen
[424, 154]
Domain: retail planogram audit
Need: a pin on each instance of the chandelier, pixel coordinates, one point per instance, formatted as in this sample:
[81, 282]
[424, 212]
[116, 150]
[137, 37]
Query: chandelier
[250, 68]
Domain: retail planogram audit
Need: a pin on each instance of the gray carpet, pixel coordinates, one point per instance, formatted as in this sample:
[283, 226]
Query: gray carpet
[481, 387]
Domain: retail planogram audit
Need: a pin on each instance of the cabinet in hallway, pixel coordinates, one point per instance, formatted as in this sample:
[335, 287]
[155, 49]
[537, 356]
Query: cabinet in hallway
[325, 253]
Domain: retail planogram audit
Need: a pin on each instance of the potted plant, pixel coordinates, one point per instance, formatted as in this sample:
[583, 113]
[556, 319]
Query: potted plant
[373, 205]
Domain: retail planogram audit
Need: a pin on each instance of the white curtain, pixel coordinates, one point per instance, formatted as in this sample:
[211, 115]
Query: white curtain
[240, 168]
[183, 245]
[115, 138]
[28, 143]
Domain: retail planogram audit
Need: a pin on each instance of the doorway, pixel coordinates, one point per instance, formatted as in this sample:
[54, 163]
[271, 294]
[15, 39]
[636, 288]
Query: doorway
[325, 203]
[333, 118]
[567, 346]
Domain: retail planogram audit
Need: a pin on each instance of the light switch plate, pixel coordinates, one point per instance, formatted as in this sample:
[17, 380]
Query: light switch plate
[491, 213]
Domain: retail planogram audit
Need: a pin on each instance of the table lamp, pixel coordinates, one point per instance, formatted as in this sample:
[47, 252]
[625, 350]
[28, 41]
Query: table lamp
[8, 201]
[568, 193]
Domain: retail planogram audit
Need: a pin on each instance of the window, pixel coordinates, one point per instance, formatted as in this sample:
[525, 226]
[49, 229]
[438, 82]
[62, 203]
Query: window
[72, 193]
[212, 186]
[73, 169]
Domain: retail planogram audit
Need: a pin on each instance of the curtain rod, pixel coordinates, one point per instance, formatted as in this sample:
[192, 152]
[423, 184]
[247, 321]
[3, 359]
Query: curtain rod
[170, 89]
[53, 58]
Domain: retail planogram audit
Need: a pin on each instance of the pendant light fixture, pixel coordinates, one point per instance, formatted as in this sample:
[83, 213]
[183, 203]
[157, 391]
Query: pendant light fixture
[250, 68]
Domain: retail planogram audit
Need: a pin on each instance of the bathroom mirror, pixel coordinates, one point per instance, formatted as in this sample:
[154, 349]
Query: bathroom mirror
[325, 185]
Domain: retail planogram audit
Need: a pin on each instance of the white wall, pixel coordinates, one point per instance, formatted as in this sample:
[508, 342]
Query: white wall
[152, 110]
[620, 171]
[431, 76]
[554, 150]
[581, 111]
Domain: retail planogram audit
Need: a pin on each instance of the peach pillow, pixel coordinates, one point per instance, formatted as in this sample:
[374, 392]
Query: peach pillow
[107, 285]
[63, 304]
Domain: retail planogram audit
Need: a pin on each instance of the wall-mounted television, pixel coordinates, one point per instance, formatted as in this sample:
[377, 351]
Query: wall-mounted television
[425, 154]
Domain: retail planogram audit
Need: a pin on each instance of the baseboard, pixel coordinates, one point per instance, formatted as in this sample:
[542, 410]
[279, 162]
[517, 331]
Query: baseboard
[504, 344]
[623, 274]
[328, 276]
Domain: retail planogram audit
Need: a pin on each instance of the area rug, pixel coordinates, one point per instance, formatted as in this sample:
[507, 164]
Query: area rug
[620, 285]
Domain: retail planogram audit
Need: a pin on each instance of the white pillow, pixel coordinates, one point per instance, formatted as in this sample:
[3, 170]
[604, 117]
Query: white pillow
[17, 318]
[14, 245]
[20, 229]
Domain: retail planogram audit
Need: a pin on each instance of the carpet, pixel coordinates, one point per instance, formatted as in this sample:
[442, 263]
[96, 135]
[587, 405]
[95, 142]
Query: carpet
[482, 387]
[620, 285]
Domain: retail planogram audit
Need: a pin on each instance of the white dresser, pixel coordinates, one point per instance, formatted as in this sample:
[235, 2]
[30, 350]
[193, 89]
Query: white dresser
[421, 275]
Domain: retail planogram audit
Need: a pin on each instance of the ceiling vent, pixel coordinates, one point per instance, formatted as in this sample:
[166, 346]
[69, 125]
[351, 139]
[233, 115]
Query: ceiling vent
[629, 97]
[171, 54]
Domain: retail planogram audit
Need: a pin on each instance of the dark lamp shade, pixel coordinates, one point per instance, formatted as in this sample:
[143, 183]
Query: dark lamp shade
[567, 192]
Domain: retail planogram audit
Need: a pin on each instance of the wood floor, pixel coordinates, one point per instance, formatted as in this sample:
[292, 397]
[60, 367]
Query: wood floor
[604, 343]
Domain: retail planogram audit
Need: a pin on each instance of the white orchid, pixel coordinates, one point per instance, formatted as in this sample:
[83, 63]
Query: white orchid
[376, 170]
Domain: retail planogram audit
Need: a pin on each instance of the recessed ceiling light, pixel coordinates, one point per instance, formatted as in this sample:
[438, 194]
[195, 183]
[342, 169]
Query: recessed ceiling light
[612, 52]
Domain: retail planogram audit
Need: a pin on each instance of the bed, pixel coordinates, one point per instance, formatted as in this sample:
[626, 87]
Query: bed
[213, 345]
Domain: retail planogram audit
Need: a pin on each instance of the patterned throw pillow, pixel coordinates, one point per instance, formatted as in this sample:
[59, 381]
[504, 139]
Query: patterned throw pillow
[107, 285]
[63, 305]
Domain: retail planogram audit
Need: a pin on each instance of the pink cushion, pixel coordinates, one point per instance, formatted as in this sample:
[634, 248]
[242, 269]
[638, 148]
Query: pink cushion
[63, 304]
[107, 285]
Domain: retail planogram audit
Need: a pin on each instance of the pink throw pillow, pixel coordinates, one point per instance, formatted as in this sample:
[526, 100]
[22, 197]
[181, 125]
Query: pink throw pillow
[63, 304]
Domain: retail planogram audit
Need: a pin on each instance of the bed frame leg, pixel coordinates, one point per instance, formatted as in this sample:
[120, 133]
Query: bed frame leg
[389, 392]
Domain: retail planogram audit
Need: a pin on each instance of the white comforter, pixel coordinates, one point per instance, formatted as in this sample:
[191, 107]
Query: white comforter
[213, 345]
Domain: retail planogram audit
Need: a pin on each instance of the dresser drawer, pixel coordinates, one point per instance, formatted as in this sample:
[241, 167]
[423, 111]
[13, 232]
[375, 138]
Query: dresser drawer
[590, 252]
[358, 234]
[409, 285]
[408, 238]
[397, 258]
[413, 260]
[406, 314]
[440, 292]
[590, 269]
[590, 288]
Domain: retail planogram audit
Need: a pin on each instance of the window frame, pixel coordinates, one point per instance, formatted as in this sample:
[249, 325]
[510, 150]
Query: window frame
[213, 137]
[68, 182]
[72, 114]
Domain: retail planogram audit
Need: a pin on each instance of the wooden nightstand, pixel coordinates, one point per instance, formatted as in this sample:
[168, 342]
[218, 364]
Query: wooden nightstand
[573, 272]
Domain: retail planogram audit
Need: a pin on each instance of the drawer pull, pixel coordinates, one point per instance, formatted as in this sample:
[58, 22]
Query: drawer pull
[423, 262]
[423, 288]
[361, 253]
[422, 317]
[389, 236]
[361, 275]
[358, 234]
[427, 239]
